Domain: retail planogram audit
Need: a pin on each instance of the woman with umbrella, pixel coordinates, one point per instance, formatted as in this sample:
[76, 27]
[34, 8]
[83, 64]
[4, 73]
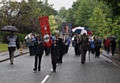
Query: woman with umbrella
[12, 41]
[12, 44]
[113, 46]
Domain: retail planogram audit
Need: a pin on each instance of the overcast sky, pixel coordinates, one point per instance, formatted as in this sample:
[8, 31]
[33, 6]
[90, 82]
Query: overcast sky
[61, 3]
[58, 3]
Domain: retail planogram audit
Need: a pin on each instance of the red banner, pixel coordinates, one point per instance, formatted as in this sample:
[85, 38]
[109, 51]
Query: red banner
[45, 30]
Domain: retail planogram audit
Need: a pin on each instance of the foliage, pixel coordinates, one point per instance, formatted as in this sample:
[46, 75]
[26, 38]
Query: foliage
[62, 13]
[24, 15]
[98, 23]
[114, 5]
[53, 24]
[116, 30]
[100, 16]
[59, 21]
[92, 14]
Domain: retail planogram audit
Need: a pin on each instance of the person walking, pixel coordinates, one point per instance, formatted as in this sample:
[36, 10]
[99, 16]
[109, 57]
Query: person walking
[104, 43]
[113, 46]
[77, 45]
[38, 47]
[107, 43]
[92, 45]
[60, 43]
[13, 42]
[67, 44]
[97, 46]
[54, 54]
[84, 47]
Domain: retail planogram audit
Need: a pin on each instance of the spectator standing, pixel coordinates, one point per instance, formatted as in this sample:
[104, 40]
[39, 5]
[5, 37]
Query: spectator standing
[30, 41]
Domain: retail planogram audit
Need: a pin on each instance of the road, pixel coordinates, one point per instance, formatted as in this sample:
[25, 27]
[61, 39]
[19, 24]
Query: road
[97, 70]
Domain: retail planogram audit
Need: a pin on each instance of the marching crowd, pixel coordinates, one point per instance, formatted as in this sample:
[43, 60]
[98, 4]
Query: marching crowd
[60, 46]
[94, 45]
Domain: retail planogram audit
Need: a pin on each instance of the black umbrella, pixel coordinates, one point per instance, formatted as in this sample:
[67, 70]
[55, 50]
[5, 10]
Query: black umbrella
[112, 37]
[10, 28]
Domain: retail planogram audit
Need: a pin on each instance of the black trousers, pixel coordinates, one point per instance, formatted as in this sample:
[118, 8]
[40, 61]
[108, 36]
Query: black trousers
[38, 63]
[92, 50]
[61, 56]
[97, 51]
[66, 48]
[113, 50]
[83, 56]
[54, 61]
[11, 53]
[46, 51]
[108, 49]
[77, 50]
[31, 50]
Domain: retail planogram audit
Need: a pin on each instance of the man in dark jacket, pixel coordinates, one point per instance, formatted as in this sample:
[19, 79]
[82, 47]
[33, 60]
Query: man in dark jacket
[38, 47]
[60, 43]
[84, 47]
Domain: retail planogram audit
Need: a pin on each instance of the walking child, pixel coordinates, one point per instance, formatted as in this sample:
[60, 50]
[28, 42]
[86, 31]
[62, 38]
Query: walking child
[38, 47]
[54, 55]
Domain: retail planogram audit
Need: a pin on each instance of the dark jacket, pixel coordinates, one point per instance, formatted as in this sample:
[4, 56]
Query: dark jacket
[77, 41]
[54, 50]
[60, 44]
[113, 44]
[84, 43]
[38, 48]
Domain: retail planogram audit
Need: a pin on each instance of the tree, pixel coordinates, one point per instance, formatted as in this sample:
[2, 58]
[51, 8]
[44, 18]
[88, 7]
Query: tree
[114, 5]
[85, 9]
[98, 23]
[24, 15]
[53, 24]
[62, 13]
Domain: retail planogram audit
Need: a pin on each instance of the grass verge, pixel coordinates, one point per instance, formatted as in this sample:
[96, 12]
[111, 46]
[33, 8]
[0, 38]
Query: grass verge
[3, 47]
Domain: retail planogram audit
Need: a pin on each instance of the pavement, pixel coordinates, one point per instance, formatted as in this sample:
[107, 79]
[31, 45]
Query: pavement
[115, 58]
[5, 55]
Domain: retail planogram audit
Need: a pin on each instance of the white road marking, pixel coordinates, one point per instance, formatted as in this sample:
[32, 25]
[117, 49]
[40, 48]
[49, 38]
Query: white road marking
[45, 79]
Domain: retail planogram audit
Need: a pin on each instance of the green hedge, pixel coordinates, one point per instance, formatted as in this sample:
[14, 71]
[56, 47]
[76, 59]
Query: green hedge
[3, 36]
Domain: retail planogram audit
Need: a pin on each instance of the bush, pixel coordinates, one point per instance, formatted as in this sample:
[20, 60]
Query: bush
[3, 37]
[21, 37]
